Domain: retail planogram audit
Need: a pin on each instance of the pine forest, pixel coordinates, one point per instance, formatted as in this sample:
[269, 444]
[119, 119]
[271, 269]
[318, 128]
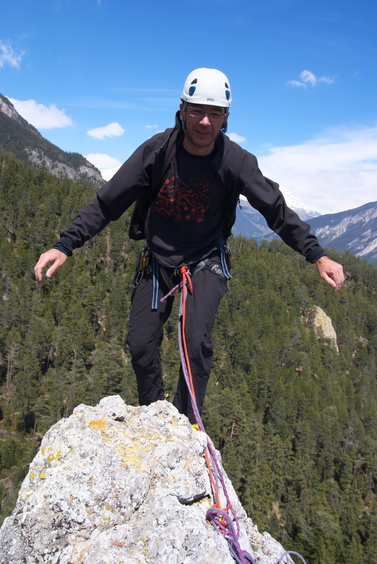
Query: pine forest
[294, 417]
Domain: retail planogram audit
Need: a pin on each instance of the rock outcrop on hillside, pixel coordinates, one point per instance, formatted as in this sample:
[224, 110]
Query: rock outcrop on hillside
[323, 327]
[115, 484]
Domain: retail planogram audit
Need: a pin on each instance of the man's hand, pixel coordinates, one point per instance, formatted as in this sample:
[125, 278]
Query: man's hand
[53, 257]
[331, 272]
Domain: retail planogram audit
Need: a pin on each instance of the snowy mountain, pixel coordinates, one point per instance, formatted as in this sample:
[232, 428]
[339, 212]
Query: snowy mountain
[298, 206]
[251, 224]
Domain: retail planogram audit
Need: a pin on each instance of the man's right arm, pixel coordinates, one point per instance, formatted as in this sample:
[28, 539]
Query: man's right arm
[130, 183]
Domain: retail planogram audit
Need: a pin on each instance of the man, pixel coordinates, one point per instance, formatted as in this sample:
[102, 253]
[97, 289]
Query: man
[186, 184]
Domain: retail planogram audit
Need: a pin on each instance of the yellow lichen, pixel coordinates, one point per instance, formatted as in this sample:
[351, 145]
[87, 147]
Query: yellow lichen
[97, 424]
[54, 456]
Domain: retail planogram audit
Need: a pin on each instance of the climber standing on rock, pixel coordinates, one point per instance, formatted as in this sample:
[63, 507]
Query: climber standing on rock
[185, 183]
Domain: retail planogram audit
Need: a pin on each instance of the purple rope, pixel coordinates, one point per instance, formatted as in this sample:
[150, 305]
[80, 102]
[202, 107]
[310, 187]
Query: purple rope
[217, 517]
[289, 552]
[172, 291]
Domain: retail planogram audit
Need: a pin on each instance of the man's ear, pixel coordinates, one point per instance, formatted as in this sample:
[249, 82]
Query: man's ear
[181, 111]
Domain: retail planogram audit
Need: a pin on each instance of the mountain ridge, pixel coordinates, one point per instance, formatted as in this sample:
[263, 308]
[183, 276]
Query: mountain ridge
[24, 140]
[354, 230]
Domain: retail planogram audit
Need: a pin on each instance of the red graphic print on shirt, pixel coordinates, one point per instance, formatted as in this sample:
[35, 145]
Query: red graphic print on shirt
[180, 201]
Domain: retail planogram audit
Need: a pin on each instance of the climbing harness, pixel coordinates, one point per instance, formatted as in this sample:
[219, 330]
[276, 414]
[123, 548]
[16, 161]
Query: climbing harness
[147, 263]
[224, 519]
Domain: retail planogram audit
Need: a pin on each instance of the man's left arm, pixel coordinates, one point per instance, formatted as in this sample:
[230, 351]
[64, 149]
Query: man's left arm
[331, 272]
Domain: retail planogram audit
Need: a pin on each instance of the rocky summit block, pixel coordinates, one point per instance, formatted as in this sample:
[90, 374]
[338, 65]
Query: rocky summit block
[115, 484]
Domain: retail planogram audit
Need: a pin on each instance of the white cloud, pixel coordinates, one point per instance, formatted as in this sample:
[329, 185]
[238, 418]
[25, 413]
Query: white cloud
[329, 174]
[309, 78]
[112, 130]
[151, 126]
[296, 83]
[9, 57]
[236, 138]
[106, 164]
[42, 117]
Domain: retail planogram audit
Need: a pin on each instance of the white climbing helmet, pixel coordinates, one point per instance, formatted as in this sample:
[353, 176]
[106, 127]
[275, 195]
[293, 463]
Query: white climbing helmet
[207, 86]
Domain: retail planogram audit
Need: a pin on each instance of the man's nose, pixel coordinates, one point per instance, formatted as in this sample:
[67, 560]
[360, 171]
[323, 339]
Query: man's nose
[205, 120]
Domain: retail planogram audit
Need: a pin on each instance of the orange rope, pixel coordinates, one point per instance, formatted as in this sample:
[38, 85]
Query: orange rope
[186, 281]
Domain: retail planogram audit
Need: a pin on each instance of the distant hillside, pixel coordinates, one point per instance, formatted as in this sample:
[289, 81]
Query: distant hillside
[353, 230]
[17, 136]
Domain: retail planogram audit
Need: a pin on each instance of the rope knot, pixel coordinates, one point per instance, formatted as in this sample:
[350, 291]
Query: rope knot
[186, 277]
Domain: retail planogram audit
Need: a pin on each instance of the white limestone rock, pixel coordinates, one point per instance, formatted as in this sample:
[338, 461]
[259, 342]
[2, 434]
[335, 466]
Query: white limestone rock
[115, 484]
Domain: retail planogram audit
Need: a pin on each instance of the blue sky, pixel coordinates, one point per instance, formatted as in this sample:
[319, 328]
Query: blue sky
[99, 77]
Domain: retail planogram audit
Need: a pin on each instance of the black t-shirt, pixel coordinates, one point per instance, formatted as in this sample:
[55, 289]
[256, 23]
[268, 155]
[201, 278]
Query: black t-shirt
[185, 220]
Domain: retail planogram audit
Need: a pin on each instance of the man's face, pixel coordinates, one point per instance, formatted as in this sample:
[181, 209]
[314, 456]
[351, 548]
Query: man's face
[203, 124]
